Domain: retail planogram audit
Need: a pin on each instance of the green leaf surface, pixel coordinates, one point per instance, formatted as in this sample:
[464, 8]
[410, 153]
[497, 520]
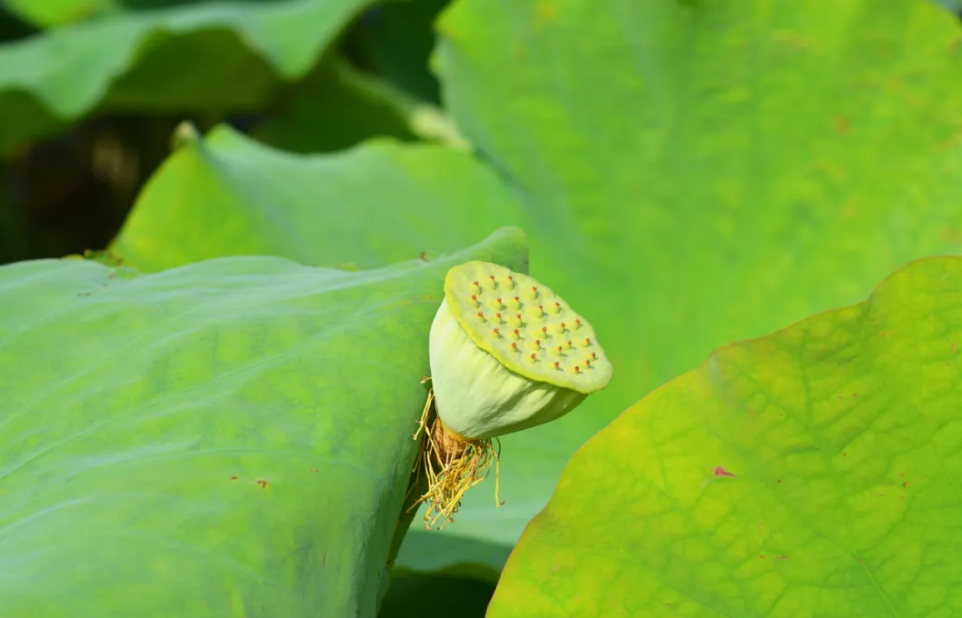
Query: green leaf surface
[207, 57]
[50, 13]
[647, 151]
[46, 13]
[952, 5]
[811, 472]
[229, 195]
[229, 438]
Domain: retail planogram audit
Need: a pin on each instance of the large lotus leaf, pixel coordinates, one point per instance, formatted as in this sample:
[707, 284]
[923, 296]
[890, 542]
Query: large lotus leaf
[811, 472]
[228, 195]
[211, 56]
[230, 438]
[690, 173]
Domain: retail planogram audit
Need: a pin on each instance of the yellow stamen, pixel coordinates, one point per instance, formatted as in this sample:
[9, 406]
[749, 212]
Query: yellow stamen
[453, 465]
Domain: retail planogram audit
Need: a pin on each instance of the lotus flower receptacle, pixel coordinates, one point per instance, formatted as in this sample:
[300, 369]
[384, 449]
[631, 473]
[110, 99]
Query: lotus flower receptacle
[507, 353]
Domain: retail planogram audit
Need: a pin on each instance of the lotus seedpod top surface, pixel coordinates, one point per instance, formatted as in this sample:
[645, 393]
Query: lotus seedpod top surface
[526, 326]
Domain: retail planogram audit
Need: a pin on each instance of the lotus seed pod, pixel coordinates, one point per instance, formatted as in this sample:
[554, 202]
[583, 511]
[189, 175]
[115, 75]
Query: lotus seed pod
[487, 384]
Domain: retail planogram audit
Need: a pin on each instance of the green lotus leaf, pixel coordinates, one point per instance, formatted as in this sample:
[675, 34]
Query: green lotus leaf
[228, 438]
[811, 472]
[205, 57]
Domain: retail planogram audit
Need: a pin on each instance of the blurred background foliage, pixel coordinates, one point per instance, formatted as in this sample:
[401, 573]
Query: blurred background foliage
[69, 174]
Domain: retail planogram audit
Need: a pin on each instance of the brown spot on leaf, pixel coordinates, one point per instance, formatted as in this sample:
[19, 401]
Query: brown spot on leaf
[719, 471]
[790, 39]
[261, 483]
[233, 478]
[841, 125]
